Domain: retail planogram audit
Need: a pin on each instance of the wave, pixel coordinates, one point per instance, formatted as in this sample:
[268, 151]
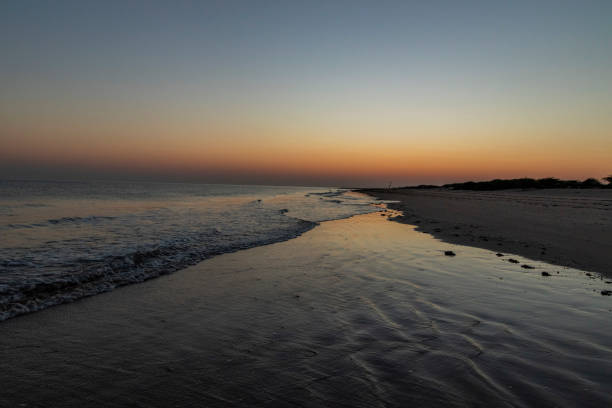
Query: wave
[63, 220]
[91, 218]
[87, 278]
[55, 256]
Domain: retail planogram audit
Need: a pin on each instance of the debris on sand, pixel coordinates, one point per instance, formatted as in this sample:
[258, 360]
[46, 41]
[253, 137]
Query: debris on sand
[513, 260]
[498, 254]
[525, 266]
[606, 293]
[545, 274]
[449, 253]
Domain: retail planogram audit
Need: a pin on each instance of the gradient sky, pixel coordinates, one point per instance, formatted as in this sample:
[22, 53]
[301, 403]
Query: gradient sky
[311, 93]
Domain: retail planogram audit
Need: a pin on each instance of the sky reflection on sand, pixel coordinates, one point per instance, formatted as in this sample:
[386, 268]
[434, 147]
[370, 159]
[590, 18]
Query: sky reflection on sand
[360, 312]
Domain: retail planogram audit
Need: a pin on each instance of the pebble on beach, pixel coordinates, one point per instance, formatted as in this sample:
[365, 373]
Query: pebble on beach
[525, 266]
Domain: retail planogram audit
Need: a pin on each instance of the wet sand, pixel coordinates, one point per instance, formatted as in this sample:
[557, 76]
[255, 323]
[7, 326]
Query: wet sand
[360, 312]
[570, 227]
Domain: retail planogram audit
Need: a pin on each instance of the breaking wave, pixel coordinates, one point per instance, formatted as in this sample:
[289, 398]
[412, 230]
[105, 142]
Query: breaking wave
[54, 251]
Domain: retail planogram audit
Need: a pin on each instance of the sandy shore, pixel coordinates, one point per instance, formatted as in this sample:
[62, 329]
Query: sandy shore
[361, 312]
[565, 227]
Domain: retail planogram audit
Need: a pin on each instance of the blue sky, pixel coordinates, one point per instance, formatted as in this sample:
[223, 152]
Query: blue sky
[103, 78]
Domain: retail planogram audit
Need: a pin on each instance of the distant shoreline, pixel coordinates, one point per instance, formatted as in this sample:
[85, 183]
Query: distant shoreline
[520, 183]
[565, 227]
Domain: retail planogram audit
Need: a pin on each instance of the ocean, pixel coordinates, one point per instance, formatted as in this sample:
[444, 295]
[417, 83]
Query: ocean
[61, 241]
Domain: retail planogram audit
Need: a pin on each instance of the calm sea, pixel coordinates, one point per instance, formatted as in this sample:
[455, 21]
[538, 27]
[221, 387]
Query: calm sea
[60, 241]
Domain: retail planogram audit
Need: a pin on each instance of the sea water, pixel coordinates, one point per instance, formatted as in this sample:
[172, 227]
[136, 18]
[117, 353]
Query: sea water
[60, 241]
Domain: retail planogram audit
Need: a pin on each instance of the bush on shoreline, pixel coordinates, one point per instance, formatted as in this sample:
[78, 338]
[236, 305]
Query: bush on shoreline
[523, 183]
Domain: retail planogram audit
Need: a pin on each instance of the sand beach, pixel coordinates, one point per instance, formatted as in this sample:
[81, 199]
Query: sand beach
[360, 312]
[568, 227]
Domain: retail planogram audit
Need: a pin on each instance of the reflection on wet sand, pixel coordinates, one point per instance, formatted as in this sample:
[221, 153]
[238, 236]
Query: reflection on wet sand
[359, 312]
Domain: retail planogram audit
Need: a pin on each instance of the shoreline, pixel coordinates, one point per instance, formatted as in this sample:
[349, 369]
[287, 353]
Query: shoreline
[557, 226]
[24, 291]
[47, 295]
[357, 312]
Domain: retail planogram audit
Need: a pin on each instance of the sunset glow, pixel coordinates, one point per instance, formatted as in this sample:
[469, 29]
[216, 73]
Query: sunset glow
[331, 95]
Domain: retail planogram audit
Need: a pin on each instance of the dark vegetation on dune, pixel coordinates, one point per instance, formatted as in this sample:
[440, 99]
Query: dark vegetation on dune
[522, 183]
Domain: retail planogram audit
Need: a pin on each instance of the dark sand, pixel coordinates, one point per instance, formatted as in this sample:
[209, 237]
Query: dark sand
[569, 227]
[354, 313]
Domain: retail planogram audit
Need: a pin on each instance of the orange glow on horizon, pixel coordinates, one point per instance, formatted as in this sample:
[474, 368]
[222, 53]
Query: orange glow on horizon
[367, 160]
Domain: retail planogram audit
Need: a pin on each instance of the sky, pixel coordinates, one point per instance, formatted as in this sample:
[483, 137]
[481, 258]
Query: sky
[335, 93]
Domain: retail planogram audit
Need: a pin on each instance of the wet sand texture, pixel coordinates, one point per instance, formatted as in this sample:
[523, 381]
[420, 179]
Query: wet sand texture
[355, 313]
[570, 227]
